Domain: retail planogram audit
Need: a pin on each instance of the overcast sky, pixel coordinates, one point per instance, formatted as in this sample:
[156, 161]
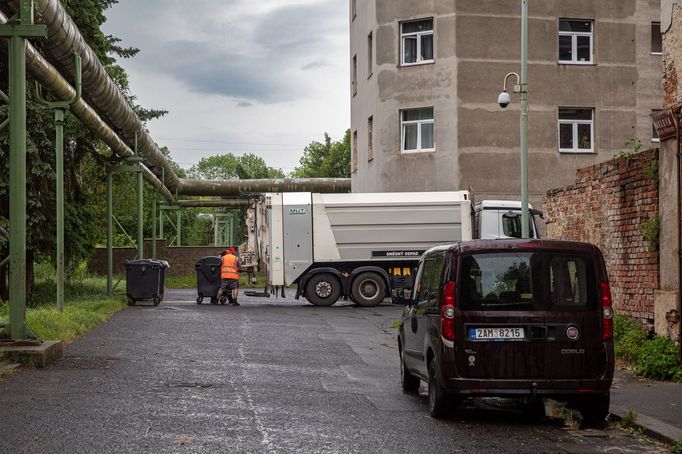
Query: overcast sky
[241, 76]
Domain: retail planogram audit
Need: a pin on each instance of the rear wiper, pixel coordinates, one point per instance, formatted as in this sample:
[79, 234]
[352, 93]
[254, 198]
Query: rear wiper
[519, 303]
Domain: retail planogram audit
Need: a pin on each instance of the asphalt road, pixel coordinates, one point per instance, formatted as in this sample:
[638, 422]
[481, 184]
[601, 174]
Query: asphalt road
[269, 376]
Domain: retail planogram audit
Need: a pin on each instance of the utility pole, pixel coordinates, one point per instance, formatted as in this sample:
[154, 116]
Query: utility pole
[525, 231]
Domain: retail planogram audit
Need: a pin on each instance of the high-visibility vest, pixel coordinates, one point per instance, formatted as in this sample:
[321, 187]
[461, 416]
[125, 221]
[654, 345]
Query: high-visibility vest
[229, 269]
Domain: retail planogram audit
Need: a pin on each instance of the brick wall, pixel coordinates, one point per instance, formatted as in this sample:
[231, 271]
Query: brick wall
[181, 259]
[607, 206]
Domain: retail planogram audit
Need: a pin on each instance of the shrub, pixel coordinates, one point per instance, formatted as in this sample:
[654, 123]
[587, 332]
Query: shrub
[654, 358]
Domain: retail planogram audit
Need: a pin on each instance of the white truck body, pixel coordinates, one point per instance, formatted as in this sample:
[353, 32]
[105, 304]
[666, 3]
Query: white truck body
[294, 234]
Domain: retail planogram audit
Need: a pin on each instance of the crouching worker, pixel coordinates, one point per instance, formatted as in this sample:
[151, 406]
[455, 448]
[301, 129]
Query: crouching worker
[229, 275]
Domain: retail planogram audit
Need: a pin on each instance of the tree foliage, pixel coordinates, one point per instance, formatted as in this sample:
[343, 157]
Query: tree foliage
[231, 167]
[326, 159]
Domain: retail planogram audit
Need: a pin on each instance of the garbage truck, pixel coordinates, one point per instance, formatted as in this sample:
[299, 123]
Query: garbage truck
[363, 246]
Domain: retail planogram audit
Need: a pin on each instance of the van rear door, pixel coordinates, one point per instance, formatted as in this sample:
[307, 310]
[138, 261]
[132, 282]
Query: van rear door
[529, 314]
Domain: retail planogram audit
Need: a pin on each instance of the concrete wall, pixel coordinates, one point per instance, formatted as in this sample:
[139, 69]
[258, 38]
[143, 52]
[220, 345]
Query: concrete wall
[608, 205]
[181, 259]
[476, 44]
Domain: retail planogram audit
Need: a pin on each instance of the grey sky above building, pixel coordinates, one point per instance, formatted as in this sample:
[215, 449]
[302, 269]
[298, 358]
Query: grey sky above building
[239, 76]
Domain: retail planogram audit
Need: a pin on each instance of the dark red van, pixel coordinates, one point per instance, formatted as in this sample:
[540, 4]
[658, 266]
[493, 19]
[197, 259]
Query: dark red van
[510, 318]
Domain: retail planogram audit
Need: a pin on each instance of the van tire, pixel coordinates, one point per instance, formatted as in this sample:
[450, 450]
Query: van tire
[408, 382]
[323, 289]
[439, 402]
[368, 289]
[595, 409]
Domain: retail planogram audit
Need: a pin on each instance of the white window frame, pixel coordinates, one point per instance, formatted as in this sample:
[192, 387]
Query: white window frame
[419, 36]
[574, 43]
[575, 124]
[419, 124]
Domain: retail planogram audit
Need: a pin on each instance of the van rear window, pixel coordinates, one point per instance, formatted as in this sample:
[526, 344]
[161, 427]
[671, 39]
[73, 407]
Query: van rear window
[527, 281]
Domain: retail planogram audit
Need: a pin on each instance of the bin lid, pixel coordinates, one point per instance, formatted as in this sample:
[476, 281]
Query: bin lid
[210, 260]
[143, 262]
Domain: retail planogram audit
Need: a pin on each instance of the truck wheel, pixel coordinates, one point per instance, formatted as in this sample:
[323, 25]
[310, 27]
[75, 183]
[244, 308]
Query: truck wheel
[323, 289]
[368, 289]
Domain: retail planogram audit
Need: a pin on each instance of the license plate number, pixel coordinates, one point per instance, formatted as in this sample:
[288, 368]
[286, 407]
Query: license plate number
[496, 334]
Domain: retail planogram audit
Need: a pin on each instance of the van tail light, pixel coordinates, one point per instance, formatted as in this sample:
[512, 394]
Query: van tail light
[607, 311]
[447, 312]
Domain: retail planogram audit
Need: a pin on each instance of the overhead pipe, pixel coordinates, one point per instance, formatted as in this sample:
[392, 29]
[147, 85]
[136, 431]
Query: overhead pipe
[225, 188]
[219, 203]
[52, 80]
[107, 112]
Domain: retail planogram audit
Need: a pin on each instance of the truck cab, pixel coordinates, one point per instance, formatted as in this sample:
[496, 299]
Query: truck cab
[501, 219]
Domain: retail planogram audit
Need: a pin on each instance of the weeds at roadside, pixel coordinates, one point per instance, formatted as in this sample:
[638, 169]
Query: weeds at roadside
[628, 421]
[395, 324]
[676, 447]
[654, 358]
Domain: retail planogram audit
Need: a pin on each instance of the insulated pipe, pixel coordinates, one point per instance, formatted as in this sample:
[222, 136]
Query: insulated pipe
[225, 188]
[220, 203]
[52, 80]
[64, 39]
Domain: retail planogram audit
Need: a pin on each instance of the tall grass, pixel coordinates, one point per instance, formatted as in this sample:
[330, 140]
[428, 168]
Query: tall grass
[86, 305]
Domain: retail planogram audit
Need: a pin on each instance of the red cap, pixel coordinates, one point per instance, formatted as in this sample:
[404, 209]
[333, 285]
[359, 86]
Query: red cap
[231, 250]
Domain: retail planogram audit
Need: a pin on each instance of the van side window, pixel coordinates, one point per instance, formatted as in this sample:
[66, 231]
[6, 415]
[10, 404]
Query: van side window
[424, 283]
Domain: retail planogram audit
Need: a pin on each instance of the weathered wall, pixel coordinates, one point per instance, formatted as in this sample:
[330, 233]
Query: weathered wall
[608, 205]
[181, 259]
[476, 44]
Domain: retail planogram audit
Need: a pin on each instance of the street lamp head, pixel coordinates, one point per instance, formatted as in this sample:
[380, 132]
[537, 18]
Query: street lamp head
[504, 99]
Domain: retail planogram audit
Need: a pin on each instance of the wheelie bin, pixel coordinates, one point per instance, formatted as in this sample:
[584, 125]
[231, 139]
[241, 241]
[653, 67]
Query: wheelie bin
[208, 279]
[145, 280]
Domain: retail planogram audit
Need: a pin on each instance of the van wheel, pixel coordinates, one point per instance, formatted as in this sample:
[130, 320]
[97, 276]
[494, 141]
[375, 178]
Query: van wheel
[409, 382]
[595, 409]
[439, 403]
[323, 289]
[368, 289]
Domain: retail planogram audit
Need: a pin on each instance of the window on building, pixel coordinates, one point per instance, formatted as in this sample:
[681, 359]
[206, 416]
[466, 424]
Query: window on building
[370, 55]
[575, 41]
[416, 42]
[353, 9]
[417, 130]
[355, 75]
[656, 38]
[370, 139]
[576, 130]
[354, 154]
[654, 133]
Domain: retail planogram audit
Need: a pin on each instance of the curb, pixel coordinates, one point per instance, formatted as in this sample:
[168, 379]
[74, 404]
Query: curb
[650, 426]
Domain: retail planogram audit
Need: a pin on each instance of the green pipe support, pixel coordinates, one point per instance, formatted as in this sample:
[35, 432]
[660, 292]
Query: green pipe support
[110, 234]
[18, 30]
[154, 255]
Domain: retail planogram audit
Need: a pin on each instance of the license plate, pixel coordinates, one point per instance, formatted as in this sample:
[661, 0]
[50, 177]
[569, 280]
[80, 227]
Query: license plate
[497, 334]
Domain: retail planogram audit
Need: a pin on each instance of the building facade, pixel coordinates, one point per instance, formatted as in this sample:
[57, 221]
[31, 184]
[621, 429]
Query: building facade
[425, 76]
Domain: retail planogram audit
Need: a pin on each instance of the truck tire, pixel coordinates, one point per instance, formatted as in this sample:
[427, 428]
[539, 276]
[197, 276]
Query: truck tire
[368, 289]
[323, 289]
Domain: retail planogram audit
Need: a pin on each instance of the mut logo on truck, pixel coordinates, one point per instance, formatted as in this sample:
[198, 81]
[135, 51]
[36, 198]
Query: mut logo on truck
[296, 211]
[397, 253]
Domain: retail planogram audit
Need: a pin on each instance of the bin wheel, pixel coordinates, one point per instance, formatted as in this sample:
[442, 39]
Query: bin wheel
[199, 300]
[131, 302]
[157, 301]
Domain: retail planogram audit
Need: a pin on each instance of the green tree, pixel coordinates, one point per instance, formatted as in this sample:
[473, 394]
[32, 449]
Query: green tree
[326, 160]
[231, 167]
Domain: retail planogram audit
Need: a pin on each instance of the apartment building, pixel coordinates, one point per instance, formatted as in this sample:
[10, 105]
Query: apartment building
[425, 76]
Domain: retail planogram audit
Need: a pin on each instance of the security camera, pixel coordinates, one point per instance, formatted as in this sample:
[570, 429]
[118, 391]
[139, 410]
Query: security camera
[504, 99]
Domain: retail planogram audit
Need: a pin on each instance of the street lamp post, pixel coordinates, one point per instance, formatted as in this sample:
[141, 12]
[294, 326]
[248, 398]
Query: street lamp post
[504, 100]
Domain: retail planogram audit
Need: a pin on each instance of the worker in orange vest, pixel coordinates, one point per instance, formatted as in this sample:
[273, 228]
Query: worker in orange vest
[229, 275]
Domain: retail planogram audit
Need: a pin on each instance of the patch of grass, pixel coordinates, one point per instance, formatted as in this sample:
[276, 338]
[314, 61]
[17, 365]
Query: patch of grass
[79, 316]
[395, 324]
[628, 421]
[676, 447]
[654, 358]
